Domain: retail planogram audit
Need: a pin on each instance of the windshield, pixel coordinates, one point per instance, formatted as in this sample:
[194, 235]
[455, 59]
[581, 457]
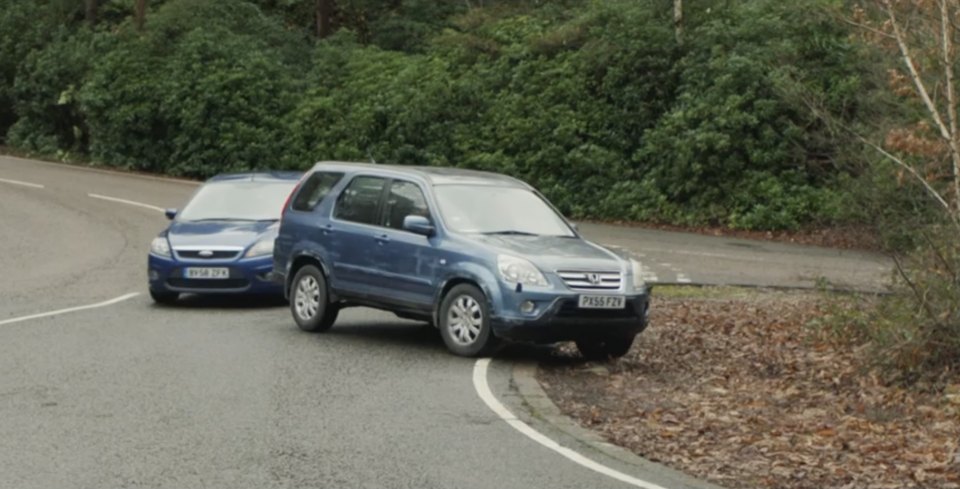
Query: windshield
[498, 210]
[241, 200]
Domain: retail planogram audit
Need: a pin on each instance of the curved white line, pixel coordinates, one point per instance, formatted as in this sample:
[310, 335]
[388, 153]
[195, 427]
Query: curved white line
[71, 309]
[22, 184]
[119, 173]
[125, 201]
[483, 390]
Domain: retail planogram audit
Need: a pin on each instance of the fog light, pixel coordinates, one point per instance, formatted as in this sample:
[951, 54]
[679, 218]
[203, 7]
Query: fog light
[528, 307]
[154, 275]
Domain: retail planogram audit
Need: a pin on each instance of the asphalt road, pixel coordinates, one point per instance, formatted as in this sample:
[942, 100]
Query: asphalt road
[229, 393]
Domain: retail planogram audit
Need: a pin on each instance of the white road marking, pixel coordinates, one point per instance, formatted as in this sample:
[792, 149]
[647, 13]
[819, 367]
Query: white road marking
[71, 309]
[142, 176]
[483, 390]
[128, 202]
[23, 184]
[683, 279]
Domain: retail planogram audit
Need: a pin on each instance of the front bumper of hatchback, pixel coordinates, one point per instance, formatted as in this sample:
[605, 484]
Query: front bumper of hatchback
[245, 276]
[558, 317]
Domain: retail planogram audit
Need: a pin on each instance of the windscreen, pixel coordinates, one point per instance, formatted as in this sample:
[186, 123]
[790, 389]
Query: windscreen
[498, 210]
[242, 200]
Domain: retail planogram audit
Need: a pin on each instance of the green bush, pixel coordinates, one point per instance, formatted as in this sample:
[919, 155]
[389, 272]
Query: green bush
[193, 101]
[595, 103]
[49, 116]
[21, 31]
[915, 332]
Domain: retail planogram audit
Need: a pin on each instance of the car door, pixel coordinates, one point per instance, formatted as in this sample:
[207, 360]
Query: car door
[354, 235]
[409, 262]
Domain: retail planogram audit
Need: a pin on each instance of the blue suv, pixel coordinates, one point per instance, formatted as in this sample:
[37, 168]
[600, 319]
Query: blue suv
[481, 256]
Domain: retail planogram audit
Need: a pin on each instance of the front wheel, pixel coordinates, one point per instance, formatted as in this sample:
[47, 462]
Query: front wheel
[308, 301]
[604, 348]
[465, 322]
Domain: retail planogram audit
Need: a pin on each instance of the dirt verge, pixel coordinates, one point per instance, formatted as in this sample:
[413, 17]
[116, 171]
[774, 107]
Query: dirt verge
[736, 388]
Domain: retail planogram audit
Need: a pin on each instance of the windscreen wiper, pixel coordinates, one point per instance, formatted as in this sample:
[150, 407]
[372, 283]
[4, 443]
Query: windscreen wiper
[229, 219]
[512, 232]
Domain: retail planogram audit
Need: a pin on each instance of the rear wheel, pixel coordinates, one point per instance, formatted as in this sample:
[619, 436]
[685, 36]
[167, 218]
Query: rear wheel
[604, 348]
[308, 301]
[165, 298]
[465, 322]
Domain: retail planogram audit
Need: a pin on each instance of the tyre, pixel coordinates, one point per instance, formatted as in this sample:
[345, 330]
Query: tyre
[604, 348]
[308, 301]
[165, 298]
[465, 322]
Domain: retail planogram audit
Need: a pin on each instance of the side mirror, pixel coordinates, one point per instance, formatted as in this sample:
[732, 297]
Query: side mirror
[170, 213]
[419, 225]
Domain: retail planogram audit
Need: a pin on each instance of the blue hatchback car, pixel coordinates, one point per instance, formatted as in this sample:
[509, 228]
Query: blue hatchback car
[222, 241]
[479, 255]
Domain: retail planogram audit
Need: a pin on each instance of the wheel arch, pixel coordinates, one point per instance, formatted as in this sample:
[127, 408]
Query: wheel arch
[299, 262]
[460, 279]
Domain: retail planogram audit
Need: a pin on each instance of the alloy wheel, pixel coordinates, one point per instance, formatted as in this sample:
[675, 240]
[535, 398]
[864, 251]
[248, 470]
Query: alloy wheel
[464, 320]
[307, 298]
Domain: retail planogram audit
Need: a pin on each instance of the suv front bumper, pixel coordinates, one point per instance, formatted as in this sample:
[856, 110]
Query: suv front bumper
[563, 320]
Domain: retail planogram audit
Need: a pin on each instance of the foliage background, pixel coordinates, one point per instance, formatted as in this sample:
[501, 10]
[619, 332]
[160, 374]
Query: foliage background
[594, 102]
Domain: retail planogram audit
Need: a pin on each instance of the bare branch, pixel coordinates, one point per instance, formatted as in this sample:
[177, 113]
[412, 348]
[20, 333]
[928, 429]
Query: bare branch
[932, 191]
[867, 27]
[947, 49]
[943, 259]
[914, 75]
[921, 298]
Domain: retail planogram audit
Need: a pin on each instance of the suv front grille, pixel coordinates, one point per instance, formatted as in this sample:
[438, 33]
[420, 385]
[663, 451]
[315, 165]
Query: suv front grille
[208, 254]
[591, 280]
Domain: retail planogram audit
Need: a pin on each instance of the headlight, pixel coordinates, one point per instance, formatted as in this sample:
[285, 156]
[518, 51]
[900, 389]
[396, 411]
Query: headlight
[519, 271]
[637, 269]
[260, 248]
[160, 246]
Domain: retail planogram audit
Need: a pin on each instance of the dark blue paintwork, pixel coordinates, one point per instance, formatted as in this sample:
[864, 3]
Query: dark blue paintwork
[407, 272]
[246, 275]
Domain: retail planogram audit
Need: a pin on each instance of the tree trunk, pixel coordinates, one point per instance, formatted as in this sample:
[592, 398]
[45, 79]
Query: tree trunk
[946, 37]
[140, 13]
[678, 19]
[91, 12]
[324, 17]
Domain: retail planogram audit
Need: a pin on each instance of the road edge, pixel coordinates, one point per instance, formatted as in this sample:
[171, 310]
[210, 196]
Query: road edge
[540, 406]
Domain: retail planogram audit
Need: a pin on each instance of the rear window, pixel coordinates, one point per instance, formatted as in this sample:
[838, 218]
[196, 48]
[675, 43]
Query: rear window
[314, 190]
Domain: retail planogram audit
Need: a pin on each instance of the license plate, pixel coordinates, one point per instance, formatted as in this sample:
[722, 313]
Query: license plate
[602, 302]
[207, 273]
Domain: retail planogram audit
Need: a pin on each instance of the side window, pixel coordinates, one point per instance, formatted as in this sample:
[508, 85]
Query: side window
[314, 190]
[404, 199]
[360, 201]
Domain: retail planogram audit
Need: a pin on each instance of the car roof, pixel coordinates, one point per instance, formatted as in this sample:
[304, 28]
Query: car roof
[266, 176]
[434, 175]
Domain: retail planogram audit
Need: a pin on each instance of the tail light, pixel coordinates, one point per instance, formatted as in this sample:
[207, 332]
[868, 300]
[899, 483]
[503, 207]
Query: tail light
[286, 203]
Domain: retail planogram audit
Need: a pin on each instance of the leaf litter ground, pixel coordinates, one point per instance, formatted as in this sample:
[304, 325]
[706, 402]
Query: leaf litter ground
[740, 391]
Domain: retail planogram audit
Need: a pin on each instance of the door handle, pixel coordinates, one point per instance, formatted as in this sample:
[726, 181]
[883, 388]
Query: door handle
[382, 238]
[327, 229]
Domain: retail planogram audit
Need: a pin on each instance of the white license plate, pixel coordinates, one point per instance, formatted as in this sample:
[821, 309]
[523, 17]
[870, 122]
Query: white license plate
[602, 302]
[207, 273]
